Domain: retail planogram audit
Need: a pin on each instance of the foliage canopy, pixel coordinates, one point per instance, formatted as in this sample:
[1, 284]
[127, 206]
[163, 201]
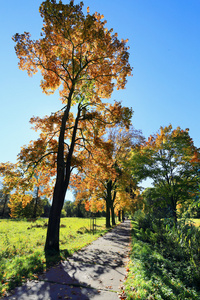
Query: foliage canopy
[172, 161]
[79, 55]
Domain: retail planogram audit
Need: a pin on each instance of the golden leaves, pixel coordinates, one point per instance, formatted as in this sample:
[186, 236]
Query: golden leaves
[195, 157]
[72, 48]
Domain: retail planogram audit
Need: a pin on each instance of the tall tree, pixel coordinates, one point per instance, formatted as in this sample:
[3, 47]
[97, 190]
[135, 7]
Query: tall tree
[171, 160]
[103, 177]
[95, 181]
[78, 54]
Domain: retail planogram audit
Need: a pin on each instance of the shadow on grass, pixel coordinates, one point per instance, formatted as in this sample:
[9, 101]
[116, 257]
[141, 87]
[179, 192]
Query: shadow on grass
[169, 276]
[33, 265]
[21, 267]
[53, 258]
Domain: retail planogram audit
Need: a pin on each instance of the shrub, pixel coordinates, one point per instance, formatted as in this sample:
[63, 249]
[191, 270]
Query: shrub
[164, 261]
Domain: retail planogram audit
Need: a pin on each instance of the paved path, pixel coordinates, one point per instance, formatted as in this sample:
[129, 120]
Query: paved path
[95, 272]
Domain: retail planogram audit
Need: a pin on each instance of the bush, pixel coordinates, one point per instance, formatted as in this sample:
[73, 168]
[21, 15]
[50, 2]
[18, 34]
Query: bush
[63, 213]
[164, 260]
[144, 220]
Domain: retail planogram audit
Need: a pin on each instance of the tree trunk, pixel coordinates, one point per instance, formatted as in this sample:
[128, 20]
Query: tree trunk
[175, 215]
[36, 204]
[174, 210]
[109, 203]
[53, 231]
[112, 203]
[123, 218]
[113, 215]
[108, 225]
[119, 215]
[4, 205]
[62, 182]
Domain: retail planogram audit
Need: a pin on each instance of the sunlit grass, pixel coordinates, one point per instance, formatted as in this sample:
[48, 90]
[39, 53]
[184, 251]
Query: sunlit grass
[156, 274]
[22, 246]
[196, 222]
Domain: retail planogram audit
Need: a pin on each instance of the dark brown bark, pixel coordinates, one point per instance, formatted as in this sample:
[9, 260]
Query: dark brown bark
[175, 213]
[36, 204]
[119, 215]
[174, 209]
[110, 204]
[113, 215]
[108, 225]
[123, 216]
[4, 205]
[62, 182]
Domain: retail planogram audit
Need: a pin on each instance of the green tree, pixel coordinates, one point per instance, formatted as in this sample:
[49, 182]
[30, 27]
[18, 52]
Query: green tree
[171, 160]
[154, 204]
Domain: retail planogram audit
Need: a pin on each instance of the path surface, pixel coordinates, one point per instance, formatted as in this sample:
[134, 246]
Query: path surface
[95, 272]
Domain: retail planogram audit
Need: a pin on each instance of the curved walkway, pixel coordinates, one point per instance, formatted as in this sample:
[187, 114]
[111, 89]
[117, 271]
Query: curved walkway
[95, 272]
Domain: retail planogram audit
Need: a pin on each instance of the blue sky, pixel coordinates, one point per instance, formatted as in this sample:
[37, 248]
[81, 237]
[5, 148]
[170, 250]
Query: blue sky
[164, 40]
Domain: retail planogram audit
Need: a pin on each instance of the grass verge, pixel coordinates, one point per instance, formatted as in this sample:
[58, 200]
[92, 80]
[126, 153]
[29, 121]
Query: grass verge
[196, 222]
[160, 268]
[22, 247]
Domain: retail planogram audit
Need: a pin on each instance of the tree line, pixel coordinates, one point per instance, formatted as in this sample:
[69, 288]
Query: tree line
[90, 145]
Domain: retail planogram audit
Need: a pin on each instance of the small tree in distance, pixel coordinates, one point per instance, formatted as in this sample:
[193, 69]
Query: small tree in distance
[78, 54]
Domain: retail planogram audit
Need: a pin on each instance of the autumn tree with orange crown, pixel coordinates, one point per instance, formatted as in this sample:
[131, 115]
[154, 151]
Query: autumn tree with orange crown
[79, 55]
[26, 185]
[103, 182]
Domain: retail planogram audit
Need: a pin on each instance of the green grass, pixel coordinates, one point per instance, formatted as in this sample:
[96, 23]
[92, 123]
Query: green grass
[196, 222]
[160, 270]
[22, 246]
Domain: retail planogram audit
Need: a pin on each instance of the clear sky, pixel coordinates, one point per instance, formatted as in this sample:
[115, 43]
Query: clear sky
[164, 40]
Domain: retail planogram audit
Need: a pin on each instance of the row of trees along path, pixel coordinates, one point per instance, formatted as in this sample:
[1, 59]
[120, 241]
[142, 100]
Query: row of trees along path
[79, 55]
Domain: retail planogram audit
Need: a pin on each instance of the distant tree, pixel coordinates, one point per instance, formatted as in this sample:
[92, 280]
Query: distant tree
[4, 200]
[74, 209]
[63, 213]
[69, 207]
[28, 205]
[46, 208]
[27, 188]
[171, 160]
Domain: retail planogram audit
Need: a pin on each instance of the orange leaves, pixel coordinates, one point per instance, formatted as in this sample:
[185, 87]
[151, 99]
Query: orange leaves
[73, 49]
[104, 169]
[22, 178]
[195, 157]
[150, 139]
[121, 115]
[87, 205]
[98, 16]
[7, 168]
[18, 202]
[78, 55]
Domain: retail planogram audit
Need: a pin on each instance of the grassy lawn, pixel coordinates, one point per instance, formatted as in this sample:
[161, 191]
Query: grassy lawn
[160, 270]
[22, 246]
[196, 222]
